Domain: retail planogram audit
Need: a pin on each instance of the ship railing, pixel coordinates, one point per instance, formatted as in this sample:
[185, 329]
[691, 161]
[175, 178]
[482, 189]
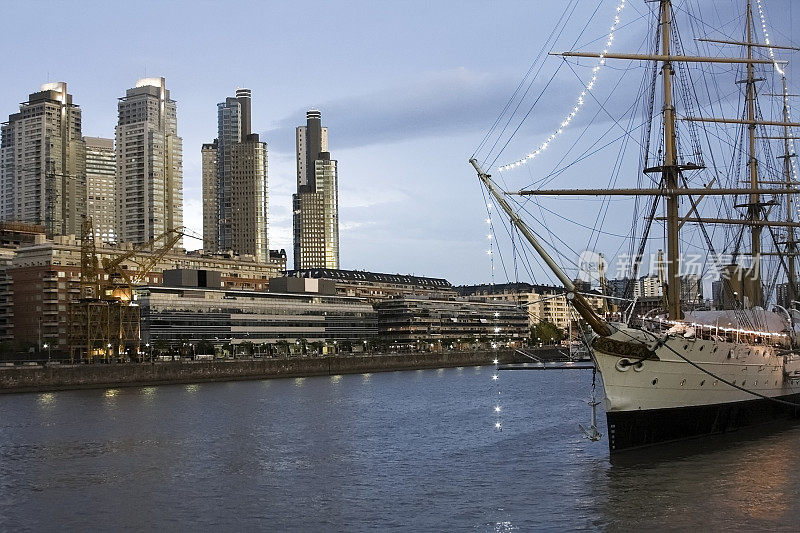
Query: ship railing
[694, 330]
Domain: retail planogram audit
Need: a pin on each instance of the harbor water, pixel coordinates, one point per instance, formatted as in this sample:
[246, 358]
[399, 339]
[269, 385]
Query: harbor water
[413, 450]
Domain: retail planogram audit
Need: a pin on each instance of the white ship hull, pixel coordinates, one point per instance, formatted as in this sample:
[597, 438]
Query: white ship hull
[654, 395]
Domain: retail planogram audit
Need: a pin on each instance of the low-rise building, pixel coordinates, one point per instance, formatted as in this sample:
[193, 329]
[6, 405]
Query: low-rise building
[176, 315]
[408, 319]
[544, 303]
[45, 279]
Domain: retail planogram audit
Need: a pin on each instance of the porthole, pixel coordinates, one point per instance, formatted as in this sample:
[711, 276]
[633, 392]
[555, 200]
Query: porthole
[715, 382]
[683, 382]
[744, 382]
[655, 381]
[715, 349]
[730, 353]
[702, 383]
[685, 346]
[702, 346]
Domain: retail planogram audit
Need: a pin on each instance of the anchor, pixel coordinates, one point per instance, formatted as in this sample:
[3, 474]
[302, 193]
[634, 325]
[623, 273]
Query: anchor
[591, 432]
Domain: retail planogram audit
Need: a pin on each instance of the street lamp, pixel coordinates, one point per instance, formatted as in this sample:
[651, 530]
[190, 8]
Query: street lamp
[147, 349]
[47, 347]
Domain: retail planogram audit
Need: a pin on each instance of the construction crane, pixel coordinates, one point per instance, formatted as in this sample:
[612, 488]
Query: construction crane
[105, 321]
[122, 278]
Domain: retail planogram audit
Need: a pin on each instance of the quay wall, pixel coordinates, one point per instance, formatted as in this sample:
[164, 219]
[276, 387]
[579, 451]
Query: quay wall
[86, 376]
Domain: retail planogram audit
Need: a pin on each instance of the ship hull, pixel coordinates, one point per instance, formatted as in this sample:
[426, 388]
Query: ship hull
[635, 429]
[682, 388]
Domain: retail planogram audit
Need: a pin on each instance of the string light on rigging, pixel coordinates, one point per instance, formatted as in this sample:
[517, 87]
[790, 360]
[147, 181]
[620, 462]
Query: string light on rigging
[580, 101]
[766, 37]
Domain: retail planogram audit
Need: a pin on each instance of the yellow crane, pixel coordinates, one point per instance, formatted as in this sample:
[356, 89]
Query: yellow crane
[105, 322]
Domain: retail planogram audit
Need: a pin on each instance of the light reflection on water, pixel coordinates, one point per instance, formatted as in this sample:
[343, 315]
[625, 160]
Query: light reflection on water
[405, 450]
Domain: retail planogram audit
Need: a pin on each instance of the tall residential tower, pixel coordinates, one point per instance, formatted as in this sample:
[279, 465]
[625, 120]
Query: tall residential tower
[101, 185]
[42, 166]
[149, 163]
[316, 204]
[235, 184]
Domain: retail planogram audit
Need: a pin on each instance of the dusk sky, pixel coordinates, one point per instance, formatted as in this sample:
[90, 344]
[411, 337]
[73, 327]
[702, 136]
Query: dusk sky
[406, 89]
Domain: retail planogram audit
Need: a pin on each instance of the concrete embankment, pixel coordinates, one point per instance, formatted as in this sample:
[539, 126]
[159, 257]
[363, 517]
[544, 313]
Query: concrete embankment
[63, 377]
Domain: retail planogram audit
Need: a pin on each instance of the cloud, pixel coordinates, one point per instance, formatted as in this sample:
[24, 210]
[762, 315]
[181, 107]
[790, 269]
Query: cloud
[437, 104]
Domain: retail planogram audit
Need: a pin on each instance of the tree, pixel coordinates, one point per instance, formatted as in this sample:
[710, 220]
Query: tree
[205, 347]
[546, 333]
[282, 346]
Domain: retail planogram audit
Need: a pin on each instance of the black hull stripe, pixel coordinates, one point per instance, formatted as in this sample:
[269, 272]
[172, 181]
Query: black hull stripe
[635, 429]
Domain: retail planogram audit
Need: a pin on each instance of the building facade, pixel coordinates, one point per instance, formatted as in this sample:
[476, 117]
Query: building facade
[101, 187]
[235, 183]
[175, 315]
[316, 204]
[42, 163]
[408, 320]
[149, 163]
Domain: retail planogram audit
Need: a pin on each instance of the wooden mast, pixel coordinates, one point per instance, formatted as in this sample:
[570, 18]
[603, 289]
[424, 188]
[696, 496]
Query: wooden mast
[754, 205]
[669, 172]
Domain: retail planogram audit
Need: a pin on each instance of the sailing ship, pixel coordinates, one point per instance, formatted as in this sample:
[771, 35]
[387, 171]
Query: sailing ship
[678, 373]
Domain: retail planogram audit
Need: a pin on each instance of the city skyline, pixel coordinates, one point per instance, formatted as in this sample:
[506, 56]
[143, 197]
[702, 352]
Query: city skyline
[422, 100]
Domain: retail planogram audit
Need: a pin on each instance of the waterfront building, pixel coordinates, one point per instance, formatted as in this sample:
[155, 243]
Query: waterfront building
[408, 320]
[316, 204]
[101, 187]
[149, 163]
[235, 183]
[176, 315]
[42, 163]
[375, 286]
[44, 279]
[544, 303]
[12, 236]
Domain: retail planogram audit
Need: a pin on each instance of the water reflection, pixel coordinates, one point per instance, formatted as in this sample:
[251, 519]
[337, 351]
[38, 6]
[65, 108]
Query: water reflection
[744, 479]
[46, 399]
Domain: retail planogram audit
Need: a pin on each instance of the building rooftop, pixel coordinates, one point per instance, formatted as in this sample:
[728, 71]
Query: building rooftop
[360, 275]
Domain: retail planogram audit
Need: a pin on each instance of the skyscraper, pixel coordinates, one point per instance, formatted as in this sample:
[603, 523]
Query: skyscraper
[101, 187]
[235, 183]
[42, 166]
[210, 196]
[316, 204]
[149, 163]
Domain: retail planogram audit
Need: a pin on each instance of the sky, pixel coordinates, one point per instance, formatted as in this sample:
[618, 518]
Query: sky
[407, 90]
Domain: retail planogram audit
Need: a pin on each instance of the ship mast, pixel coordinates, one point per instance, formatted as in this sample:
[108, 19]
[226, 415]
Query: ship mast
[669, 172]
[754, 205]
[670, 187]
[580, 303]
